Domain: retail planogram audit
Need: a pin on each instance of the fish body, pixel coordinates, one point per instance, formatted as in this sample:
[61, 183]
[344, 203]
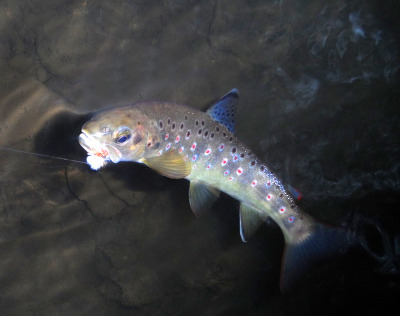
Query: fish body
[181, 142]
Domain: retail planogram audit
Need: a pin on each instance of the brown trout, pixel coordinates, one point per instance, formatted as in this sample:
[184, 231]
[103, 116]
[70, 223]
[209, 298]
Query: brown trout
[181, 142]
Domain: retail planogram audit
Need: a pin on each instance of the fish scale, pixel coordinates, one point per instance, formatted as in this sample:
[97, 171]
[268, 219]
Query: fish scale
[180, 142]
[237, 177]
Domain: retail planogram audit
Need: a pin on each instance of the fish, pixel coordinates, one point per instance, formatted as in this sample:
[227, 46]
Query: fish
[181, 142]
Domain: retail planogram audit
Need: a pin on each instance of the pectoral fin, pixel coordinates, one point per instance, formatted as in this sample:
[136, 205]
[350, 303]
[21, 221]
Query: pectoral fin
[171, 164]
[250, 221]
[201, 197]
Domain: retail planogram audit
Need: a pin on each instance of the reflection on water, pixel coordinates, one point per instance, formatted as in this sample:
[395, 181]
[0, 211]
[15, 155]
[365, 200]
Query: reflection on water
[318, 83]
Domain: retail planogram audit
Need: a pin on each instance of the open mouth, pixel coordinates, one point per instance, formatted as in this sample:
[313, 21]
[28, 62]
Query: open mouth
[98, 154]
[92, 146]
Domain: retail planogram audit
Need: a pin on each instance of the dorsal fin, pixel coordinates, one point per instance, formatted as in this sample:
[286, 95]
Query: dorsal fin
[224, 109]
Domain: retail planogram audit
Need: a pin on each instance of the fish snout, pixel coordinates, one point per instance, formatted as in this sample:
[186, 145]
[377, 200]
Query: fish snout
[92, 146]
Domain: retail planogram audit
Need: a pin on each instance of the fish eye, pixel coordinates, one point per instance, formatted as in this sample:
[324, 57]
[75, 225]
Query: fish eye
[122, 139]
[122, 136]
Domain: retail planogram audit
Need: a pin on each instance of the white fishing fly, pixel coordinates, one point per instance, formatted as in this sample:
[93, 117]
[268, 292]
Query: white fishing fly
[95, 162]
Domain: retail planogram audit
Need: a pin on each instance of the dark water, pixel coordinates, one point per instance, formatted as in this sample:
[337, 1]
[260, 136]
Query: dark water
[318, 83]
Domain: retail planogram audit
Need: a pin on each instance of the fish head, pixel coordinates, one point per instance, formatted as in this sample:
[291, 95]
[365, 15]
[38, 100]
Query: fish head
[117, 134]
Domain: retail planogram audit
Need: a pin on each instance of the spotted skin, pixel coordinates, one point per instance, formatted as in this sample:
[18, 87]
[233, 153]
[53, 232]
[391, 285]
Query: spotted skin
[181, 142]
[225, 163]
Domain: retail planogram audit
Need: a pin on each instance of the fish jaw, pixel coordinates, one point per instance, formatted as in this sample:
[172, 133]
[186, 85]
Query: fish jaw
[98, 153]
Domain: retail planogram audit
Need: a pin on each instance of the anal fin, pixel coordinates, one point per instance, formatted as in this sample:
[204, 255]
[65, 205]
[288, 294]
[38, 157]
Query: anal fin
[250, 221]
[201, 197]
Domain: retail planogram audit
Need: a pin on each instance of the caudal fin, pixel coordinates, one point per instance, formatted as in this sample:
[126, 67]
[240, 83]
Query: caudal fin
[301, 256]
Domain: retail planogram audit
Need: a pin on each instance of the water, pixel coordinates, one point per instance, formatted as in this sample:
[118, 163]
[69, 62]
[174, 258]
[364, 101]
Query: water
[318, 84]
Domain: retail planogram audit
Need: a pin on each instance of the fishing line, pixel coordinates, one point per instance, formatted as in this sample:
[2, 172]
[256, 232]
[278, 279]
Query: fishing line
[40, 155]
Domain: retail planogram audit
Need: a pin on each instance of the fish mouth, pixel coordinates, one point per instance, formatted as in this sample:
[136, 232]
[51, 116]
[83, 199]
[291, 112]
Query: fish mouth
[103, 152]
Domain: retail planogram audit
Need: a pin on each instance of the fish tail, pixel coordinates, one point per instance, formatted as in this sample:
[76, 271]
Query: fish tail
[301, 255]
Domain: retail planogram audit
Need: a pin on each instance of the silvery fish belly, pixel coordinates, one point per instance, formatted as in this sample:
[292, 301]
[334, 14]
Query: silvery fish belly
[180, 142]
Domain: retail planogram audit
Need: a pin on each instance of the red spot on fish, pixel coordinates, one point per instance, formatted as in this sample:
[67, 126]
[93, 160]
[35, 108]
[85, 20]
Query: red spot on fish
[177, 139]
[221, 147]
[235, 158]
[291, 219]
[226, 172]
[166, 136]
[159, 153]
[168, 146]
[268, 184]
[296, 194]
[239, 171]
[282, 210]
[231, 178]
[208, 151]
[254, 183]
[193, 147]
[194, 158]
[224, 162]
[269, 197]
[181, 149]
[208, 167]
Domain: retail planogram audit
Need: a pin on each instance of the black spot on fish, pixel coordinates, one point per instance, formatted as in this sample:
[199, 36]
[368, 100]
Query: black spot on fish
[224, 134]
[197, 123]
[137, 138]
[202, 123]
[138, 123]
[262, 168]
[292, 206]
[149, 144]
[188, 134]
[233, 150]
[186, 117]
[253, 163]
[205, 133]
[160, 124]
[281, 195]
[181, 127]
[217, 129]
[212, 135]
[199, 132]
[230, 139]
[242, 155]
[173, 126]
[169, 121]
